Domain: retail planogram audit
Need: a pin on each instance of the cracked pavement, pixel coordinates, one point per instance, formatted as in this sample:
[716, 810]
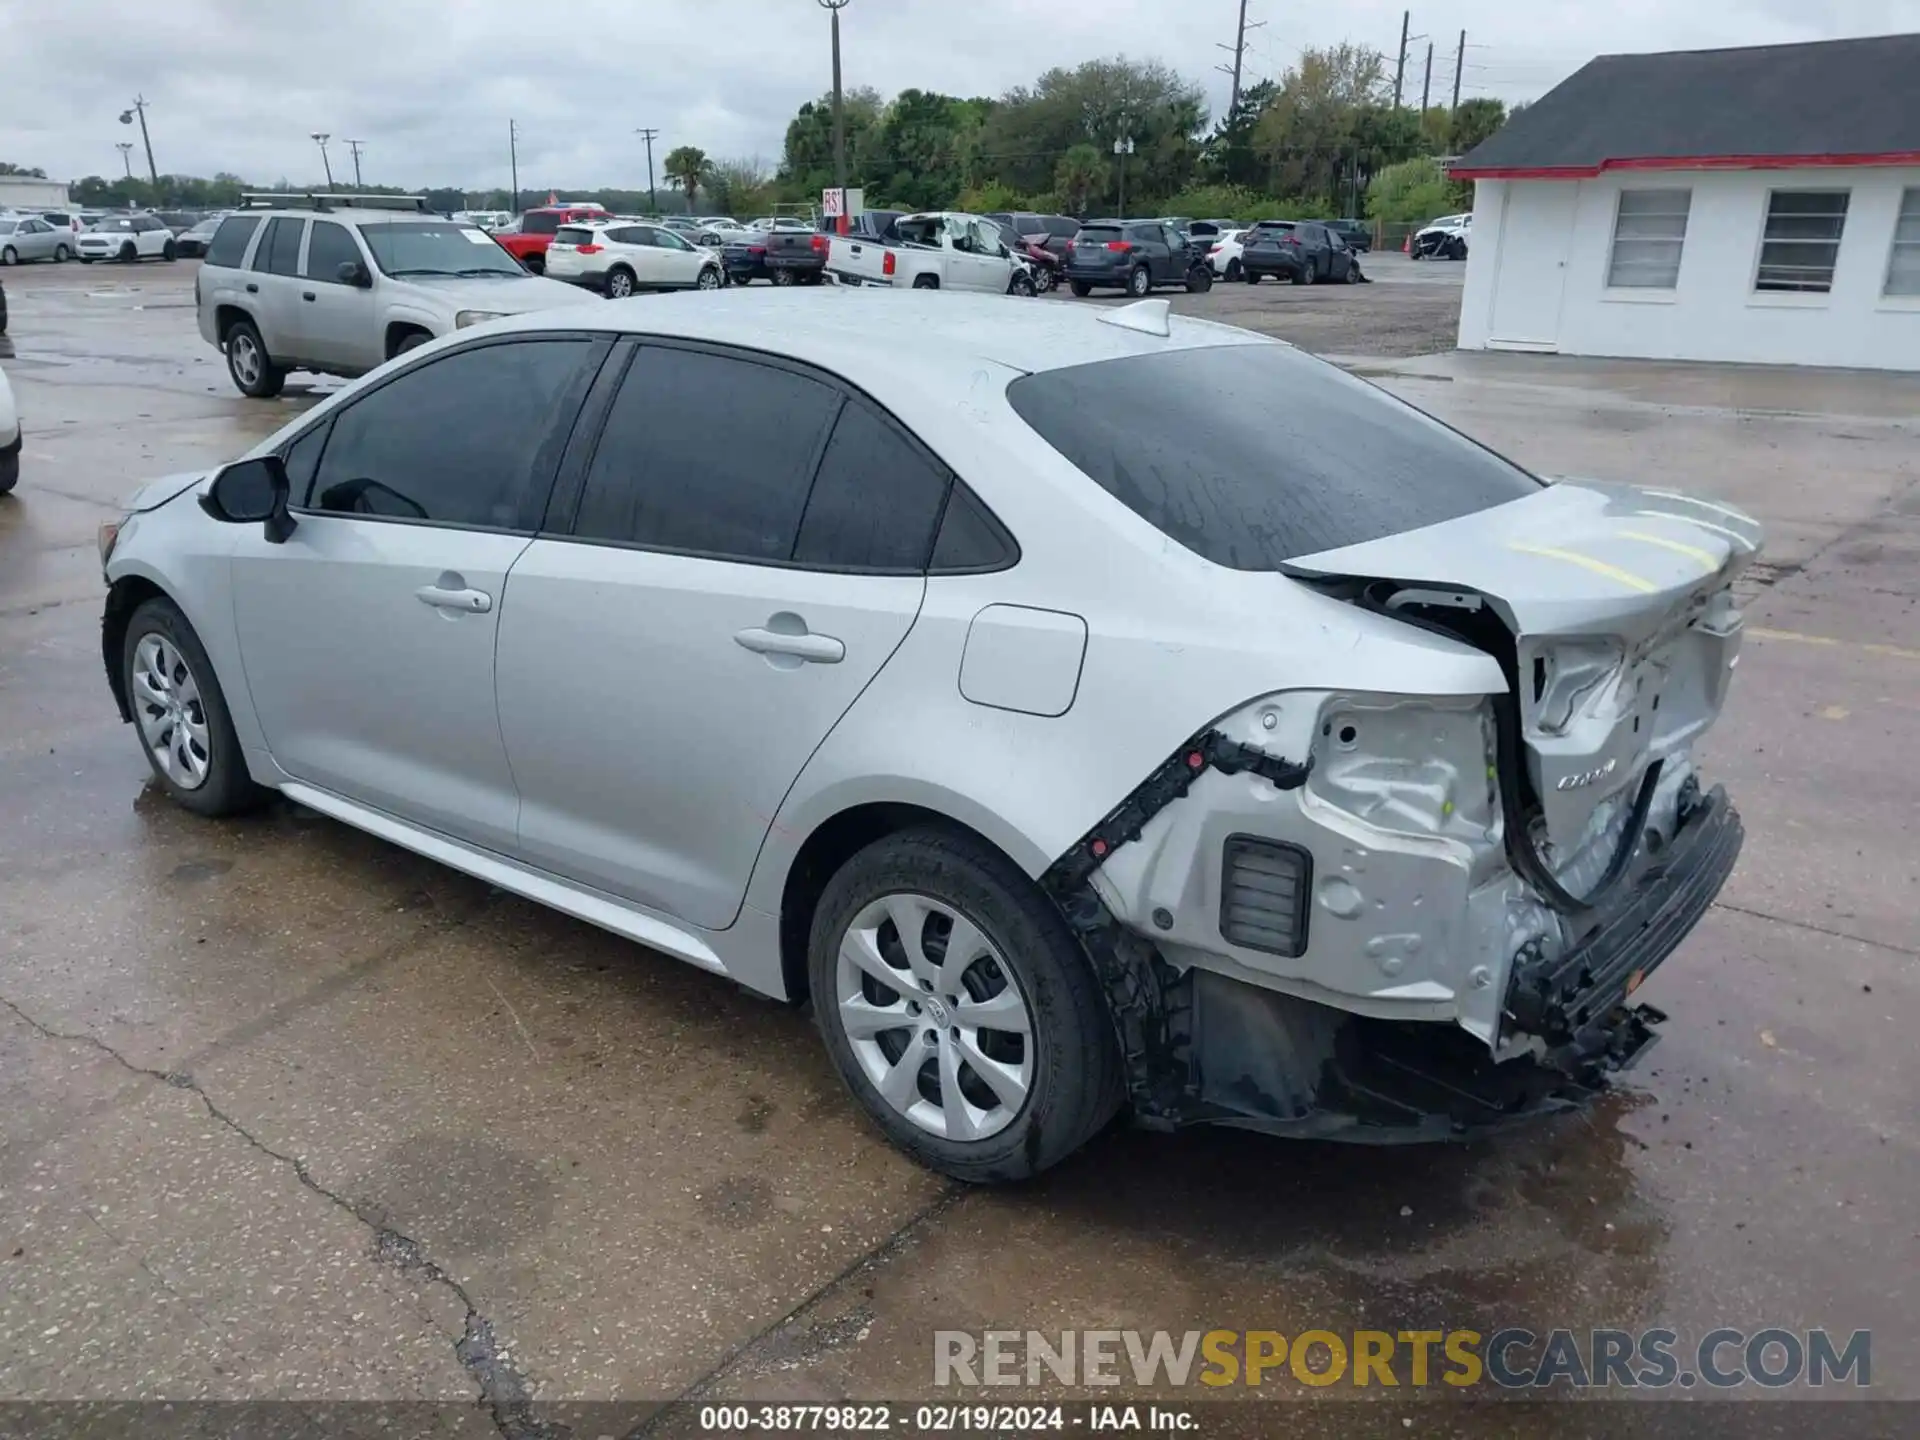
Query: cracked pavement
[289, 1114]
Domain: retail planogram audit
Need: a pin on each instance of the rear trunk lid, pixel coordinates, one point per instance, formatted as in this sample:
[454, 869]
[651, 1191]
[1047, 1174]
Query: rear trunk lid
[1618, 602]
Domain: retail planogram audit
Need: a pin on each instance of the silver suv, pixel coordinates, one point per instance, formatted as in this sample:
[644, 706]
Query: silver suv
[341, 284]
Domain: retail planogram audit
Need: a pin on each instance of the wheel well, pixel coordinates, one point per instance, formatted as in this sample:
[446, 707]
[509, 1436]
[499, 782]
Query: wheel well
[224, 319]
[837, 841]
[398, 332]
[926, 282]
[123, 599]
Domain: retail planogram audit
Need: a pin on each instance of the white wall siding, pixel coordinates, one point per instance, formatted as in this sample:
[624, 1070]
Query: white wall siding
[1713, 312]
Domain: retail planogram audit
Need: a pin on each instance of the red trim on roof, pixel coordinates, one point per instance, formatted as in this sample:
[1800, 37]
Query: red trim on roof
[1682, 162]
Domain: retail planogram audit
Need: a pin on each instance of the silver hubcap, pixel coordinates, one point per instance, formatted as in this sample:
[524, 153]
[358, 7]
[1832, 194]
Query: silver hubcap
[935, 1017]
[173, 718]
[621, 286]
[709, 280]
[244, 356]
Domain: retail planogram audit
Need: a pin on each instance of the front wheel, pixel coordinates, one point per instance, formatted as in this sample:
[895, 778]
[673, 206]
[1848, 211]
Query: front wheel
[1140, 282]
[1021, 284]
[61, 254]
[181, 714]
[783, 278]
[959, 1008]
[536, 264]
[1353, 273]
[1080, 288]
[1199, 280]
[1044, 280]
[128, 254]
[254, 373]
[709, 278]
[9, 256]
[168, 251]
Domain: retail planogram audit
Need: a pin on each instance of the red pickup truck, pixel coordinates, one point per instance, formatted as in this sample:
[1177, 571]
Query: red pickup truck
[528, 241]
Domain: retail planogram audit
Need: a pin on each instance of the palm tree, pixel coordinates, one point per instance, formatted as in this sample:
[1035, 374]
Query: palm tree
[688, 167]
[1080, 172]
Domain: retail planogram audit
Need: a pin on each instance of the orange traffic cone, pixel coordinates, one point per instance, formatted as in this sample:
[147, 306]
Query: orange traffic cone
[1406, 245]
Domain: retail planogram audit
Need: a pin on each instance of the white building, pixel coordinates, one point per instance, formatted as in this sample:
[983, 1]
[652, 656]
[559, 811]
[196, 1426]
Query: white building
[25, 192]
[1757, 205]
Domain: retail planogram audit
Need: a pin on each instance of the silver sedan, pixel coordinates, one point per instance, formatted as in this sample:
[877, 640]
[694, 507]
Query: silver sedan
[28, 237]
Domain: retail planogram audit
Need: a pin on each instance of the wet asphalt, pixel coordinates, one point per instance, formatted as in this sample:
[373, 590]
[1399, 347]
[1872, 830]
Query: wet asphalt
[288, 1113]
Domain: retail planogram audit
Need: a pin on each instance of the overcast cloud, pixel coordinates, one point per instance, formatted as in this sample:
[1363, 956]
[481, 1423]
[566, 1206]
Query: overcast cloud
[238, 85]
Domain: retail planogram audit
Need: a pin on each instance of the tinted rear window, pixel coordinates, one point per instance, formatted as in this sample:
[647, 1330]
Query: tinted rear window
[229, 245]
[1252, 455]
[1097, 234]
[572, 235]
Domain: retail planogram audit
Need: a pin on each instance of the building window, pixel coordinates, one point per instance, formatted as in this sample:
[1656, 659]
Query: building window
[1903, 265]
[1649, 231]
[1802, 240]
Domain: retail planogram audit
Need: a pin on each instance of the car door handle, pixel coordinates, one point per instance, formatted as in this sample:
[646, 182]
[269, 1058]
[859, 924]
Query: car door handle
[471, 602]
[252, 289]
[821, 649]
[306, 295]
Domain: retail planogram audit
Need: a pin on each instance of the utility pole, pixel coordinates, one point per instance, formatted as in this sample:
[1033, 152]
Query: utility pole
[125, 147]
[320, 138]
[513, 159]
[1238, 50]
[647, 135]
[839, 119]
[1122, 148]
[139, 108]
[355, 146]
[1400, 65]
[1426, 86]
[1459, 64]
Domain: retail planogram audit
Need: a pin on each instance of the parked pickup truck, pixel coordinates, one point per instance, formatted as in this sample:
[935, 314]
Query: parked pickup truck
[528, 239]
[786, 254]
[935, 250]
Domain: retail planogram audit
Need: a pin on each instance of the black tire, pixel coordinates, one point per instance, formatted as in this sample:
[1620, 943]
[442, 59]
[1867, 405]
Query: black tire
[260, 381]
[1199, 280]
[9, 471]
[1302, 276]
[128, 255]
[9, 256]
[1080, 288]
[536, 264]
[1076, 1085]
[926, 282]
[1140, 282]
[227, 788]
[619, 283]
[86, 259]
[1252, 277]
[1021, 284]
[783, 277]
[1044, 280]
[412, 342]
[1236, 272]
[710, 278]
[61, 254]
[169, 253]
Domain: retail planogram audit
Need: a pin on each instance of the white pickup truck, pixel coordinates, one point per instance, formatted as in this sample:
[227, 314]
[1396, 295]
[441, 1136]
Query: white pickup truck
[936, 250]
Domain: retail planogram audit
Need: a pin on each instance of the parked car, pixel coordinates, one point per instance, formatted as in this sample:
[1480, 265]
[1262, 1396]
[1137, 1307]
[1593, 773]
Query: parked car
[527, 241]
[488, 220]
[178, 221]
[10, 434]
[1357, 234]
[620, 257]
[194, 241]
[126, 237]
[1443, 239]
[1135, 256]
[68, 220]
[342, 290]
[789, 252]
[936, 250]
[1054, 232]
[1097, 640]
[1044, 264]
[718, 235]
[28, 237]
[1303, 251]
[1223, 255]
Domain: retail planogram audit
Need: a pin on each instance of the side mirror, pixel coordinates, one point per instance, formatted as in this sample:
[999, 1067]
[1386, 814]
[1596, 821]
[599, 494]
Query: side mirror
[352, 272]
[250, 490]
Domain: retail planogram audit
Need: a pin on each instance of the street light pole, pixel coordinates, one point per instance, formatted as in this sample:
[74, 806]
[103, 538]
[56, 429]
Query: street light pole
[320, 138]
[513, 159]
[839, 119]
[125, 147]
[1122, 148]
[139, 107]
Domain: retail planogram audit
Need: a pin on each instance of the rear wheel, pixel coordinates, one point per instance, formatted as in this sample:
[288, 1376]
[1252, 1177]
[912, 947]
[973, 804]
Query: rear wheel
[959, 1008]
[61, 254]
[1080, 288]
[9, 256]
[536, 264]
[1253, 277]
[1235, 272]
[168, 252]
[783, 277]
[1140, 282]
[926, 282]
[1199, 280]
[181, 714]
[254, 373]
[619, 282]
[1353, 272]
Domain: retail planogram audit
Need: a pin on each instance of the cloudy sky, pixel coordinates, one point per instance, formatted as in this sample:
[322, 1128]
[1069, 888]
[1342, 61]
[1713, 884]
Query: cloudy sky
[429, 85]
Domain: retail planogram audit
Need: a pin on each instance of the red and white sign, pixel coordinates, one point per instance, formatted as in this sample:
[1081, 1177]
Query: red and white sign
[833, 203]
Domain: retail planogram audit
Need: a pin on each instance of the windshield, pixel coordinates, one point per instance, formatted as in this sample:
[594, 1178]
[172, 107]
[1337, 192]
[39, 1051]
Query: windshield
[414, 248]
[1253, 455]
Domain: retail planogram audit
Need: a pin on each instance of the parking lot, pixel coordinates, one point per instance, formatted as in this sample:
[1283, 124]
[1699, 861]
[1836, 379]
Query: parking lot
[290, 1113]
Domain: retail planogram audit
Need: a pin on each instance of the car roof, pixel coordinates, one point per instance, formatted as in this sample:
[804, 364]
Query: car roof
[884, 339]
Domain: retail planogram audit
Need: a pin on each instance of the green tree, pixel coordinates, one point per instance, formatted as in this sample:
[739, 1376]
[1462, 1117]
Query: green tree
[687, 166]
[1474, 121]
[1230, 156]
[806, 165]
[1412, 191]
[1082, 171]
[912, 156]
[740, 187]
[7, 167]
[1308, 136]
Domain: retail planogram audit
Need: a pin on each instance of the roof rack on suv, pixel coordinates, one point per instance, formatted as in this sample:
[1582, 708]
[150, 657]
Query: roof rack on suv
[310, 200]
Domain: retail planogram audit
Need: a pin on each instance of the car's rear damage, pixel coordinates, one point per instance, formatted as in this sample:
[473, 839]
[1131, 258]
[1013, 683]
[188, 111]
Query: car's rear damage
[1379, 916]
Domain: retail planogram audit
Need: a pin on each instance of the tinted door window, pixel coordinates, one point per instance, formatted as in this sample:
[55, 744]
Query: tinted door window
[229, 245]
[708, 454]
[462, 440]
[279, 249]
[1251, 455]
[537, 224]
[876, 500]
[328, 248]
[302, 459]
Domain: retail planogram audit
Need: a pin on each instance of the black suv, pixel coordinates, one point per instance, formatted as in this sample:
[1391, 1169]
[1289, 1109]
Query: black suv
[1054, 232]
[1303, 251]
[1135, 256]
[1357, 233]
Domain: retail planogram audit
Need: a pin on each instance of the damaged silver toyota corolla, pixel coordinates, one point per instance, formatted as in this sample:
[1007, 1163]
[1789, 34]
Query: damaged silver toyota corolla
[1086, 710]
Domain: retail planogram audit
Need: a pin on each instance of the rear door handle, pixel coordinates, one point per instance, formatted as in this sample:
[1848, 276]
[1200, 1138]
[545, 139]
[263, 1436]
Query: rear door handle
[471, 602]
[252, 289]
[306, 295]
[820, 649]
